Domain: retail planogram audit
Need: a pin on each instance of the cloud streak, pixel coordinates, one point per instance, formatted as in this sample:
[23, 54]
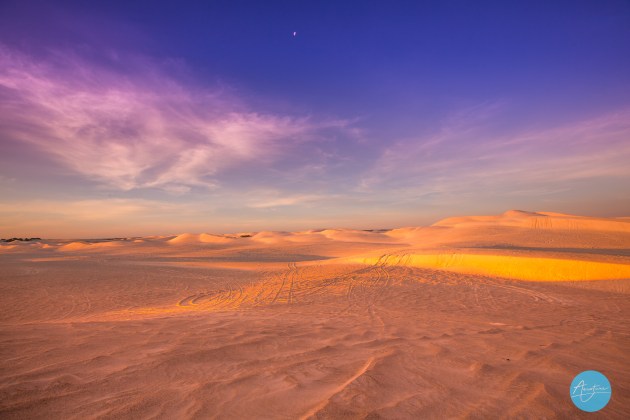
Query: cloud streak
[277, 200]
[469, 156]
[140, 130]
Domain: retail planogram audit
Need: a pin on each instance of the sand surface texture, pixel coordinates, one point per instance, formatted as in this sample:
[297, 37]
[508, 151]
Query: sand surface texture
[472, 317]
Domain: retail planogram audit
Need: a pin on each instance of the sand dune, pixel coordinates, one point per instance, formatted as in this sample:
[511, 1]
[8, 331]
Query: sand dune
[540, 220]
[479, 317]
[189, 238]
[517, 229]
[340, 235]
[84, 246]
[347, 235]
[273, 237]
[74, 246]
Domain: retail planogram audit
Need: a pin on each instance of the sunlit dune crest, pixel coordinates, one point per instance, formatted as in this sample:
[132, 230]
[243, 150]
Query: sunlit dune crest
[79, 246]
[74, 246]
[189, 238]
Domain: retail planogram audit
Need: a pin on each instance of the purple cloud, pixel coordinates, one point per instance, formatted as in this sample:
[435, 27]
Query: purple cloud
[140, 128]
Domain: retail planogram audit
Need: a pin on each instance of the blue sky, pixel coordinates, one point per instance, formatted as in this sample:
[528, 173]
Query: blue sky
[162, 117]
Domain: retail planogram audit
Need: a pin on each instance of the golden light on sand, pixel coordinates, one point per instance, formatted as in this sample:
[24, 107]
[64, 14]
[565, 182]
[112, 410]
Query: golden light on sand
[509, 267]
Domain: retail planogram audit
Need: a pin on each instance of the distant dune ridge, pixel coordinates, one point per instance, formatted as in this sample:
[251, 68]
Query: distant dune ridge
[517, 244]
[189, 238]
[78, 246]
[479, 316]
[540, 220]
[472, 244]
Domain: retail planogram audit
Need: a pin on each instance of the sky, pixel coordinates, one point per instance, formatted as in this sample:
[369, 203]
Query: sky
[160, 117]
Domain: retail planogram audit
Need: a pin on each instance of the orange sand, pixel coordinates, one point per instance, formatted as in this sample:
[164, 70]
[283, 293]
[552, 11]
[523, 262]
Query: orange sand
[482, 317]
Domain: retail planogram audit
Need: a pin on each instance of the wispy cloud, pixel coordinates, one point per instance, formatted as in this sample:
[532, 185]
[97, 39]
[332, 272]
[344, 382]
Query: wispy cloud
[278, 200]
[470, 156]
[139, 128]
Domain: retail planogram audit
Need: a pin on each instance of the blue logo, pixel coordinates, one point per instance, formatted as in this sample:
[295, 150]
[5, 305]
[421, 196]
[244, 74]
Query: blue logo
[590, 391]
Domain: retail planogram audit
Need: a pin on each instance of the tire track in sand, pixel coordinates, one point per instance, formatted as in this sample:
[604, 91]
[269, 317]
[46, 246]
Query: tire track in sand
[293, 274]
